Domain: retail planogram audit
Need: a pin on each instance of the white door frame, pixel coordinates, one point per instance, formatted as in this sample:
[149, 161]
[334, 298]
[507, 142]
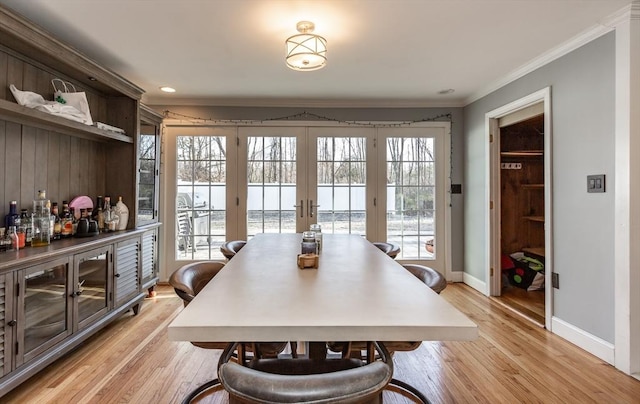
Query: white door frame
[492, 273]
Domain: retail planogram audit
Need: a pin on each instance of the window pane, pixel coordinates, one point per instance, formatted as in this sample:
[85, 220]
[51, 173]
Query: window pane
[411, 195]
[271, 175]
[201, 197]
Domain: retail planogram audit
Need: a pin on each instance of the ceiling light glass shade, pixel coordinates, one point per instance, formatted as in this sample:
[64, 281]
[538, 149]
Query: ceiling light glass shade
[306, 51]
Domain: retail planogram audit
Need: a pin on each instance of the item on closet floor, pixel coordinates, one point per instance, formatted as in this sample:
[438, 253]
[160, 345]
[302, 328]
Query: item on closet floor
[526, 272]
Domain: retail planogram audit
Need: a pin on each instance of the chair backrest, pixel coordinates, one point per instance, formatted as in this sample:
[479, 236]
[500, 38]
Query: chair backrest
[361, 384]
[231, 248]
[429, 276]
[392, 250]
[189, 279]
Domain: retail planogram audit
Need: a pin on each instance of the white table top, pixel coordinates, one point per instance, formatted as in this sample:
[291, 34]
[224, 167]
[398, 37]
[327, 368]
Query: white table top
[356, 294]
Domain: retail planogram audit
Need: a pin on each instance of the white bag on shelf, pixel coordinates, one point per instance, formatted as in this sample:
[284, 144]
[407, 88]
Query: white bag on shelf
[74, 98]
[36, 101]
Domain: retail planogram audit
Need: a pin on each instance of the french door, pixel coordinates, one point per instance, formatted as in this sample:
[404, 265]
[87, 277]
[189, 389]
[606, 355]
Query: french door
[385, 183]
[298, 176]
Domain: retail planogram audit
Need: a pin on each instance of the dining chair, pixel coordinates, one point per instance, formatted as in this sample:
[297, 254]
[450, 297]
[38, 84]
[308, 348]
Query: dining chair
[391, 249]
[188, 281]
[307, 380]
[435, 281]
[231, 248]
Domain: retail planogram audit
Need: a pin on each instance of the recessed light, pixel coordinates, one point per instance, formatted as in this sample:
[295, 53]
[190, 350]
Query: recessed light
[168, 89]
[446, 91]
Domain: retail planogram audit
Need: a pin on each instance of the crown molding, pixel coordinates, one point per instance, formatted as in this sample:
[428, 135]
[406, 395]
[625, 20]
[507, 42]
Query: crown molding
[303, 103]
[606, 25]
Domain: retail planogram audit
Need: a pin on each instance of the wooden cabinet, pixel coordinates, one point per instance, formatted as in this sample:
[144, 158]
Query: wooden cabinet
[127, 270]
[52, 303]
[149, 259]
[43, 308]
[55, 297]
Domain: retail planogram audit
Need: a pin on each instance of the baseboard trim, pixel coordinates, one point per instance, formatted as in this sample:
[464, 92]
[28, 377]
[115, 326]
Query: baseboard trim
[590, 343]
[456, 276]
[477, 284]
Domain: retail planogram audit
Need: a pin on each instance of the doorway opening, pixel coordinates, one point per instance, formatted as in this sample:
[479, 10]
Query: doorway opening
[520, 264]
[522, 219]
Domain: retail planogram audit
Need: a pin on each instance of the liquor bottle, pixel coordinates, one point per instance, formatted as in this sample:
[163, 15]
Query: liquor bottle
[74, 221]
[113, 219]
[66, 220]
[57, 226]
[15, 243]
[41, 221]
[123, 214]
[27, 226]
[13, 216]
[106, 213]
[3, 245]
[98, 205]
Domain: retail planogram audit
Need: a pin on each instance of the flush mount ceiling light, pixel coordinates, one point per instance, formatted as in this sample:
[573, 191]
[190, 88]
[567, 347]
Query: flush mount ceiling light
[306, 51]
[167, 89]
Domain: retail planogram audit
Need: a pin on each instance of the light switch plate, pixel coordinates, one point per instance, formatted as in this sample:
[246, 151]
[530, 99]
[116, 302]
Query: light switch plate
[595, 183]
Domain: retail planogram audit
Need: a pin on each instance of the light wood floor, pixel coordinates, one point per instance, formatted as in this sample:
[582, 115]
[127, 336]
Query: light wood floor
[528, 303]
[513, 361]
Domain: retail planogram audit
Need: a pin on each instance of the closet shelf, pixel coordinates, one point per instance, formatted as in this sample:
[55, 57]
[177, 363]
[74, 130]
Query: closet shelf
[534, 218]
[522, 153]
[538, 251]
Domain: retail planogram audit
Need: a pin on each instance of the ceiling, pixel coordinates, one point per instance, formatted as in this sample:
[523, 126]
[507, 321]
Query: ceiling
[380, 52]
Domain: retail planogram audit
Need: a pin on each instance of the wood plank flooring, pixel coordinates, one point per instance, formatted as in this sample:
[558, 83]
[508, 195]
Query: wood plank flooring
[513, 361]
[528, 303]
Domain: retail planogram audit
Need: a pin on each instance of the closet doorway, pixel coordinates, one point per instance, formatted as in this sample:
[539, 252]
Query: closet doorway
[520, 216]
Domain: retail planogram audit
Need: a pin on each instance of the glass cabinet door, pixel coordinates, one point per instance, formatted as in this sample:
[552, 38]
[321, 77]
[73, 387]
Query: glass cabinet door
[148, 165]
[91, 285]
[44, 309]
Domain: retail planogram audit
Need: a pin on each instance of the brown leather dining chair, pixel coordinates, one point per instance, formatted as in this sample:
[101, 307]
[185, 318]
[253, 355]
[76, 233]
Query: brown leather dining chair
[391, 249]
[434, 280]
[187, 282]
[231, 248]
[307, 380]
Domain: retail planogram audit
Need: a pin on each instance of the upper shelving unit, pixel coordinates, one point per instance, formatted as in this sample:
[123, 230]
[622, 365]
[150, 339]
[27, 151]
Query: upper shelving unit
[23, 115]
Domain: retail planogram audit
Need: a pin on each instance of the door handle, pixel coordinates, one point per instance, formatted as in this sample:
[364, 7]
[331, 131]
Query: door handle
[311, 206]
[301, 206]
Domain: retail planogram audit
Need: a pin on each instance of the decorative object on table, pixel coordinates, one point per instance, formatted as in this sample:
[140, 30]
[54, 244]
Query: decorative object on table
[309, 244]
[317, 229]
[308, 261]
[65, 93]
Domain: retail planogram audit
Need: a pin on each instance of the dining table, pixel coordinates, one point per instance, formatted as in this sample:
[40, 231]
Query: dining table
[356, 293]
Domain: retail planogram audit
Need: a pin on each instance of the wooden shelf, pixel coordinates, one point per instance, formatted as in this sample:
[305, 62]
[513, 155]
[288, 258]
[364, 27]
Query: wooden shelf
[534, 218]
[538, 251]
[522, 153]
[532, 186]
[14, 112]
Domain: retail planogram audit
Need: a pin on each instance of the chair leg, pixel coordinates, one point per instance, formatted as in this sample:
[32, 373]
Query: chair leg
[409, 389]
[200, 389]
